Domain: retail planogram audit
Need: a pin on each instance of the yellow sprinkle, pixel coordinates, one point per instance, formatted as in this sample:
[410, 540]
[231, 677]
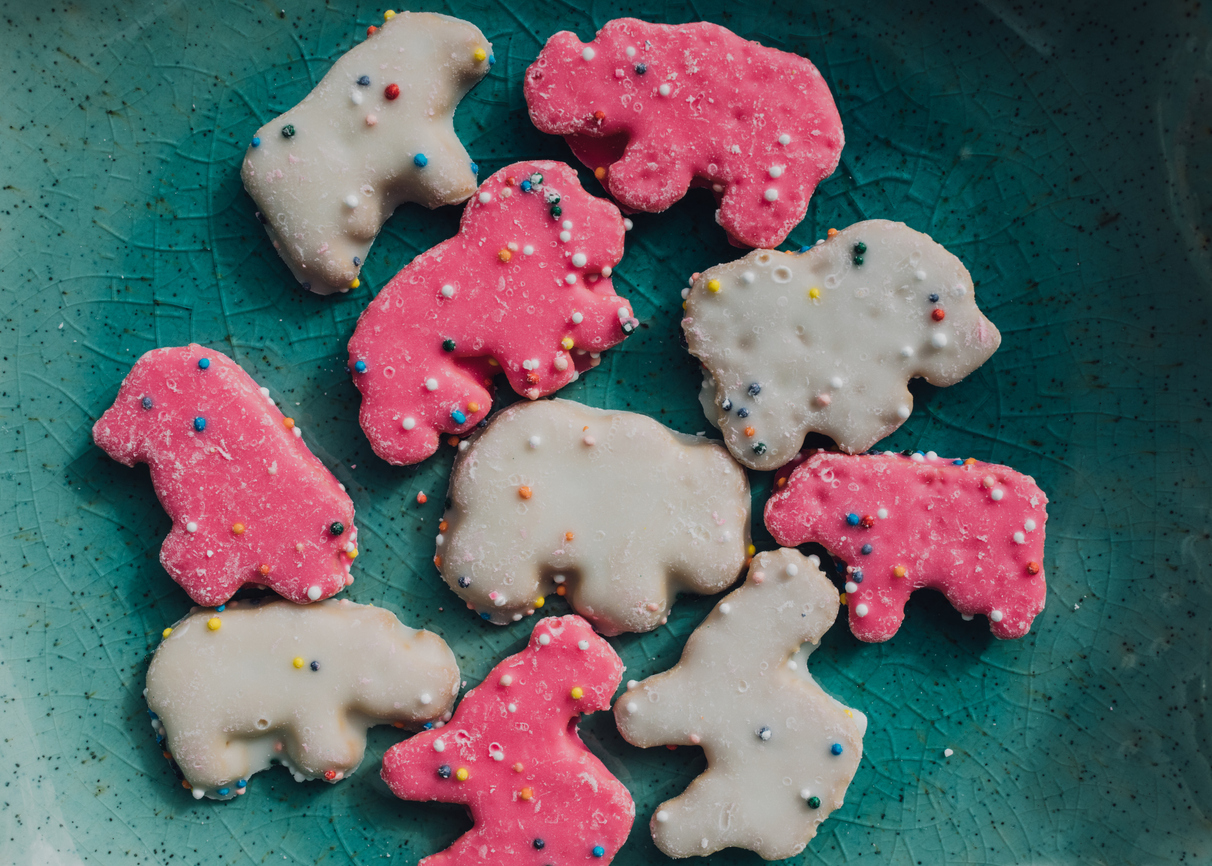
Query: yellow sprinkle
[577, 693]
[354, 283]
[752, 550]
[389, 14]
[353, 554]
[540, 601]
[213, 623]
[843, 598]
[461, 774]
[567, 342]
[166, 632]
[480, 55]
[298, 662]
[814, 293]
[713, 285]
[493, 362]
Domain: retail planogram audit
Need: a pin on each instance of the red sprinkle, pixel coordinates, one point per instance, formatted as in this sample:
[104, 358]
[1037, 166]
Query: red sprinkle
[1032, 568]
[391, 91]
[599, 115]
[867, 522]
[937, 315]
[422, 498]
[372, 30]
[330, 774]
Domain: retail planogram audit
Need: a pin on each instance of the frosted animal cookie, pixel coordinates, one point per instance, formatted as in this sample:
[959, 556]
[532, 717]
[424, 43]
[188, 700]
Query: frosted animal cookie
[974, 531]
[234, 690]
[780, 752]
[376, 132]
[512, 756]
[826, 339]
[654, 109]
[614, 509]
[249, 502]
[524, 288]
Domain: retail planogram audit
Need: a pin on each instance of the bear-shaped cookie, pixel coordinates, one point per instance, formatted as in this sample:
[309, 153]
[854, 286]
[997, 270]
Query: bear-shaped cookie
[654, 109]
[512, 756]
[780, 751]
[524, 288]
[232, 691]
[377, 131]
[827, 339]
[611, 508]
[972, 530]
[248, 501]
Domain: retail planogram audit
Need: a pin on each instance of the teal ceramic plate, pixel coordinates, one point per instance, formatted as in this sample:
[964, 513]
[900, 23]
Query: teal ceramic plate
[1063, 151]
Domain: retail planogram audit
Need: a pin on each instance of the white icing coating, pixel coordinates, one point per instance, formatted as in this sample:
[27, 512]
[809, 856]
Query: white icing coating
[617, 509]
[231, 699]
[767, 728]
[325, 191]
[806, 318]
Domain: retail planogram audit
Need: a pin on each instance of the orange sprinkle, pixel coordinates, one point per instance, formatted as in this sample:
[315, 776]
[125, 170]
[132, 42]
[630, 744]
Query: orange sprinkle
[599, 115]
[473, 407]
[504, 255]
[568, 536]
[397, 724]
[599, 172]
[900, 571]
[1032, 567]
[442, 526]
[832, 232]
[186, 785]
[526, 793]
[237, 528]
[372, 30]
[561, 589]
[511, 180]
[422, 498]
[969, 461]
[263, 568]
[749, 431]
[453, 441]
[437, 560]
[938, 315]
[288, 423]
[524, 492]
[781, 483]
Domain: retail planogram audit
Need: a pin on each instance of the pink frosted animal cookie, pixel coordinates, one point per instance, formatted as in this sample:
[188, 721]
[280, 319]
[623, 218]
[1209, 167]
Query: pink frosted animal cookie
[249, 502]
[523, 288]
[780, 751]
[974, 531]
[512, 756]
[654, 109]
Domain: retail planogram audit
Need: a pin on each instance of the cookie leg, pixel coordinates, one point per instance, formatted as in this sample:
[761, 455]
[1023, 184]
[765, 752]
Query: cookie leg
[635, 183]
[699, 821]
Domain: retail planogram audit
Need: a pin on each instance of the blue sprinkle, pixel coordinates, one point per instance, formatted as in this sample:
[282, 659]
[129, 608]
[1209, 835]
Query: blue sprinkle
[957, 462]
[357, 262]
[243, 783]
[199, 423]
[836, 748]
[306, 287]
[427, 726]
[420, 160]
[599, 851]
[364, 80]
[203, 363]
[934, 299]
[923, 453]
[360, 366]
[153, 715]
[223, 792]
[256, 141]
[492, 60]
[220, 608]
[866, 549]
[726, 405]
[755, 389]
[857, 575]
[525, 185]
[852, 519]
[147, 402]
[315, 666]
[805, 249]
[485, 616]
[742, 412]
[459, 417]
[475, 169]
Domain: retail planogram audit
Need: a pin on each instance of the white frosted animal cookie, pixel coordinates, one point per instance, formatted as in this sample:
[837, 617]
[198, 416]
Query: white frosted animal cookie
[611, 509]
[233, 689]
[826, 339]
[377, 131]
[780, 752]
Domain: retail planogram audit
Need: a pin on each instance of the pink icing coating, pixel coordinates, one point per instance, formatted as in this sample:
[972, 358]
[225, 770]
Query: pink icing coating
[246, 467]
[504, 306]
[545, 785]
[719, 125]
[974, 531]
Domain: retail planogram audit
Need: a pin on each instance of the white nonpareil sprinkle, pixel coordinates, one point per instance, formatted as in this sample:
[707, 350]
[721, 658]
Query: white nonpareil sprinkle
[947, 753]
[313, 592]
[577, 318]
[439, 746]
[409, 423]
[771, 195]
[725, 608]
[814, 559]
[558, 579]
[431, 384]
[628, 225]
[907, 352]
[917, 458]
[776, 171]
[662, 816]
[861, 610]
[544, 639]
[506, 680]
[533, 441]
[582, 644]
[513, 708]
[579, 260]
[528, 250]
[571, 279]
[1020, 538]
[191, 527]
[882, 513]
[1029, 525]
[988, 481]
[351, 201]
[931, 455]
[938, 340]
[567, 224]
[448, 291]
[903, 412]
[426, 698]
[851, 586]
[748, 277]
[632, 706]
[630, 51]
[919, 275]
[607, 271]
[791, 665]
[587, 54]
[485, 197]
[997, 495]
[565, 237]
[836, 382]
[996, 616]
[784, 139]
[664, 90]
[792, 569]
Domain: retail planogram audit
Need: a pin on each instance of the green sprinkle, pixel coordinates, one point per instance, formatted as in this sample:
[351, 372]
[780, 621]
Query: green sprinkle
[288, 131]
